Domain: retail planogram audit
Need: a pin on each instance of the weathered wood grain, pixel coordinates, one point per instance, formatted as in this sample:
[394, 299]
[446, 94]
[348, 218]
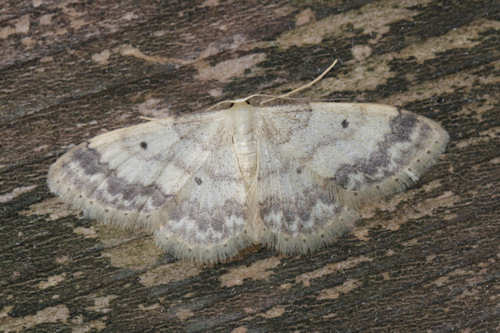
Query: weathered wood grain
[427, 259]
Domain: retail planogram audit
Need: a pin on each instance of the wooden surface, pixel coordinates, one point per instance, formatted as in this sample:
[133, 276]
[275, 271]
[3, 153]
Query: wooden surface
[425, 260]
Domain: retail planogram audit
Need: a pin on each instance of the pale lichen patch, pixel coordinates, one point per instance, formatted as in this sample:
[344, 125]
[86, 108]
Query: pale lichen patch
[101, 58]
[169, 273]
[437, 87]
[209, 3]
[42, 147]
[228, 69]
[55, 208]
[127, 249]
[46, 19]
[85, 232]
[274, 312]
[15, 193]
[131, 51]
[52, 281]
[53, 314]
[20, 25]
[154, 107]
[4, 312]
[361, 52]
[129, 16]
[91, 326]
[184, 314]
[306, 278]
[102, 303]
[304, 17]
[259, 270]
[152, 307]
[286, 286]
[495, 160]
[216, 92]
[423, 208]
[410, 211]
[483, 137]
[231, 42]
[466, 37]
[361, 233]
[364, 76]
[334, 293]
[373, 19]
[390, 252]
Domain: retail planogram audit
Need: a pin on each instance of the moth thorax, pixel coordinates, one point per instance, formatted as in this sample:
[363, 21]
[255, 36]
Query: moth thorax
[245, 144]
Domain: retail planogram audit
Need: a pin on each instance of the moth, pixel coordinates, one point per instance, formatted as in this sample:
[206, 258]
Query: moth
[208, 184]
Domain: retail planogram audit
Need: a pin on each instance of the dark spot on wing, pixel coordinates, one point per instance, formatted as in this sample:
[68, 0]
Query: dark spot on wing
[198, 180]
[345, 123]
[144, 145]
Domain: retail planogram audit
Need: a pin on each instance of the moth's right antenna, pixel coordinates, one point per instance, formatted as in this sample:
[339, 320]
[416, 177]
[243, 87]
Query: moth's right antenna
[304, 86]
